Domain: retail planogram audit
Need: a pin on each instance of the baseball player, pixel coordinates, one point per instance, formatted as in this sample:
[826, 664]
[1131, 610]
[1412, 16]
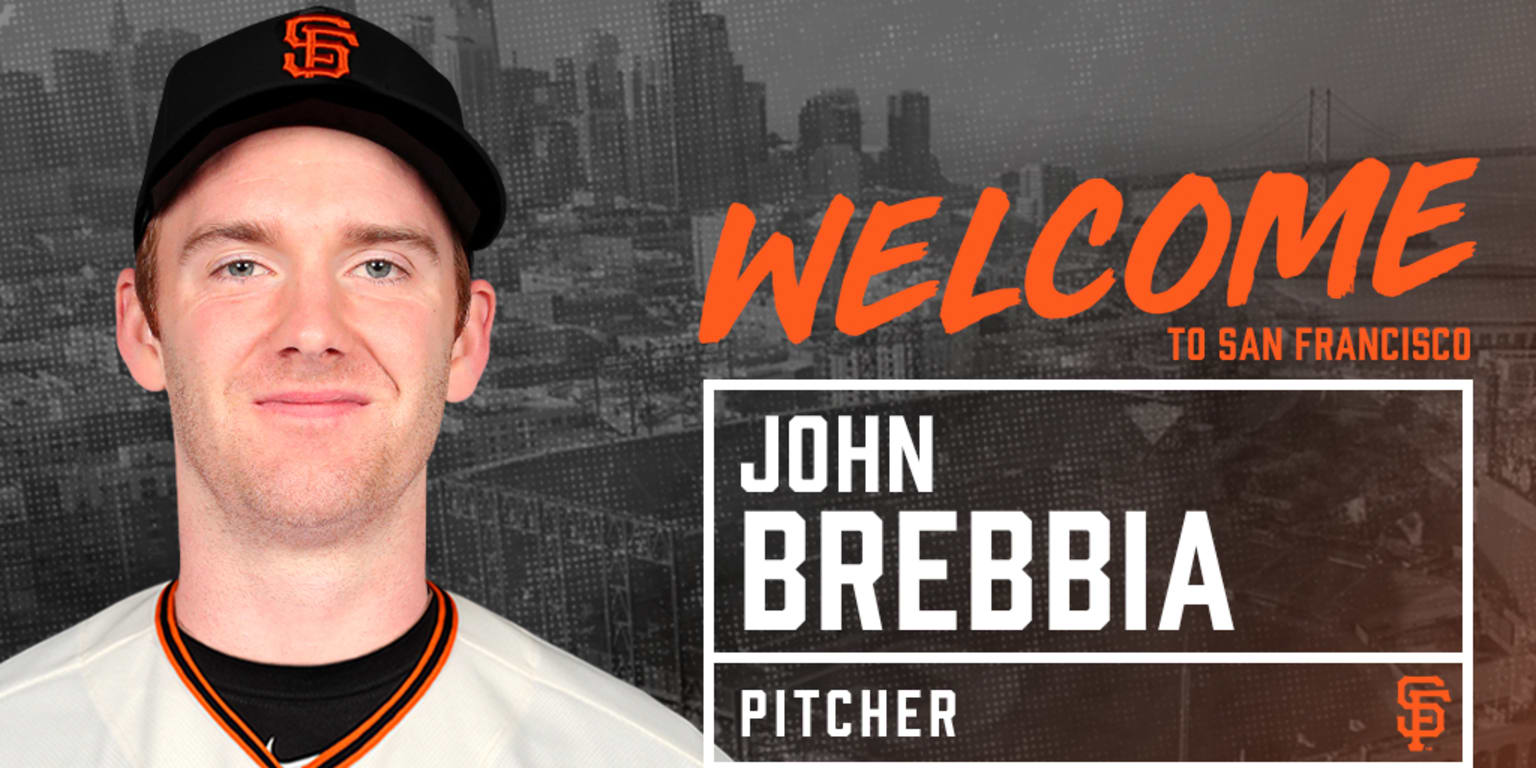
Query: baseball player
[301, 291]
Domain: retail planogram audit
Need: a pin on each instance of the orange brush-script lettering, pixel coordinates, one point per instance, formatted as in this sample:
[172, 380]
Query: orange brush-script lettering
[1278, 204]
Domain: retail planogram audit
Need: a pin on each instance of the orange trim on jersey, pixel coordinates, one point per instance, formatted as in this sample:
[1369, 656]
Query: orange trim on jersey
[385, 718]
[437, 632]
[431, 676]
[168, 602]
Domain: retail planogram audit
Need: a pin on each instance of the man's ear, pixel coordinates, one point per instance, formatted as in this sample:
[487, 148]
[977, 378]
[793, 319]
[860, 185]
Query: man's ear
[139, 348]
[472, 348]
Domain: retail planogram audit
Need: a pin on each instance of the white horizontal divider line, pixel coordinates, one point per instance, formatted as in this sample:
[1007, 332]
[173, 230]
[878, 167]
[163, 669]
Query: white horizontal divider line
[1089, 764]
[712, 386]
[1086, 657]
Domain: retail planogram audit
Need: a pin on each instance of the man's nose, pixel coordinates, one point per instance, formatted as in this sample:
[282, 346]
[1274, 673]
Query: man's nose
[313, 322]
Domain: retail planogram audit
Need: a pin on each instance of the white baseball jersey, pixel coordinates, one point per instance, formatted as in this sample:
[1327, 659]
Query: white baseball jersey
[119, 690]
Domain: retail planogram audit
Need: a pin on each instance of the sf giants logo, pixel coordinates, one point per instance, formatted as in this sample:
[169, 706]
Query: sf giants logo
[1426, 718]
[325, 41]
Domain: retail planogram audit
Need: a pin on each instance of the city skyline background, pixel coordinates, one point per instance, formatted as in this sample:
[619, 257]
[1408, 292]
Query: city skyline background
[1099, 87]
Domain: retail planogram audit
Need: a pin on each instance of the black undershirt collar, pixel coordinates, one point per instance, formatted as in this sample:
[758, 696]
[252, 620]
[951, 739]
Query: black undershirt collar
[302, 710]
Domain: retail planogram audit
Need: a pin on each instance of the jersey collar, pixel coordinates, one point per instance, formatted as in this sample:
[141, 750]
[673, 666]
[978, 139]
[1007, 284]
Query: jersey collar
[352, 746]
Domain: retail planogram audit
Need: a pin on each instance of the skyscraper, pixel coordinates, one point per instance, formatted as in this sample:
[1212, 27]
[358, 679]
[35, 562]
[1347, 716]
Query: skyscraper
[563, 97]
[120, 57]
[831, 117]
[725, 84]
[754, 138]
[653, 154]
[475, 46]
[557, 161]
[754, 99]
[527, 93]
[633, 170]
[603, 126]
[691, 96]
[910, 163]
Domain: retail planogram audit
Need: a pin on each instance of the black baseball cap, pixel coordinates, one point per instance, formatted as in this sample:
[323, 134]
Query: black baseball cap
[320, 66]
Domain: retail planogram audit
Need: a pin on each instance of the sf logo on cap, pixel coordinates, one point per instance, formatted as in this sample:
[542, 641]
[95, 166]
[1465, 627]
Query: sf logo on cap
[326, 42]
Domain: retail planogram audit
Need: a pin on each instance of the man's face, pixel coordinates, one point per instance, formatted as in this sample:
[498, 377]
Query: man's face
[306, 304]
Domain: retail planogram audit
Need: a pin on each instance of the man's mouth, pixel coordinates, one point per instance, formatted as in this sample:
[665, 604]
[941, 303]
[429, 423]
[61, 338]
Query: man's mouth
[326, 403]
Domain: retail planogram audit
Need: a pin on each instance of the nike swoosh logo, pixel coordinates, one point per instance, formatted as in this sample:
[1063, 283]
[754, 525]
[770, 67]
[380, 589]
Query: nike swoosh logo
[269, 743]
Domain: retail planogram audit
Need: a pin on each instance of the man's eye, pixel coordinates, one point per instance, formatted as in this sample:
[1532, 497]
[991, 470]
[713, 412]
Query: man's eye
[380, 269]
[241, 268]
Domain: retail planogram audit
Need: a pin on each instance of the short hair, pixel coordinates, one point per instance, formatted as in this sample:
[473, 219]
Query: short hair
[145, 277]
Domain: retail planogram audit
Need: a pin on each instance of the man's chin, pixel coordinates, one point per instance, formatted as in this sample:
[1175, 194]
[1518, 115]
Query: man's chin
[313, 520]
[312, 503]
[320, 488]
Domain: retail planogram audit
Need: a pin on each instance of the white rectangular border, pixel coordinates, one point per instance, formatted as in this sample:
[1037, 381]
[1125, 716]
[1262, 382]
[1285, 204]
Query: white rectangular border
[713, 387]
